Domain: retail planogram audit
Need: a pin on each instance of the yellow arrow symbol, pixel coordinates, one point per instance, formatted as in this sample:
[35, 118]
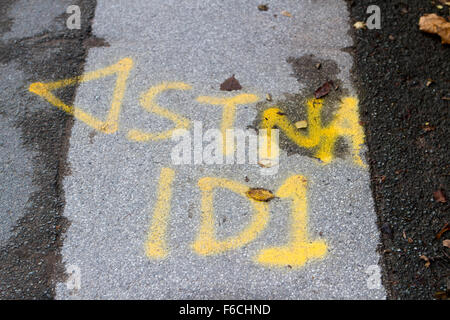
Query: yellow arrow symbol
[110, 125]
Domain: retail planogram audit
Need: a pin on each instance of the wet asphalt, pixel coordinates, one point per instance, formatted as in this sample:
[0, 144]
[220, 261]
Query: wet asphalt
[30, 261]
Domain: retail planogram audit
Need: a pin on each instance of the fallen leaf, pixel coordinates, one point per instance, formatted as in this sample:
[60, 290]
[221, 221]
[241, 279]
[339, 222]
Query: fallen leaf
[263, 7]
[286, 13]
[427, 127]
[260, 194]
[301, 124]
[441, 295]
[266, 163]
[268, 97]
[432, 23]
[429, 82]
[439, 196]
[230, 84]
[318, 65]
[359, 25]
[443, 230]
[427, 261]
[446, 243]
[323, 90]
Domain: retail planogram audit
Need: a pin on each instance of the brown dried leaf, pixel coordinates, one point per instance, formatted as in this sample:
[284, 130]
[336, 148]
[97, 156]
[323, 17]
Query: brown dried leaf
[286, 13]
[446, 243]
[260, 194]
[323, 90]
[432, 23]
[439, 196]
[443, 230]
[263, 7]
[230, 84]
[441, 295]
[427, 261]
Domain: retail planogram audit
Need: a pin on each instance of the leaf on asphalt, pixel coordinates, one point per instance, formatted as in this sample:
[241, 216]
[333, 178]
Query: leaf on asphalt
[286, 13]
[263, 7]
[267, 163]
[443, 230]
[427, 261]
[432, 23]
[441, 295]
[359, 25]
[260, 194]
[439, 196]
[230, 84]
[323, 90]
[446, 243]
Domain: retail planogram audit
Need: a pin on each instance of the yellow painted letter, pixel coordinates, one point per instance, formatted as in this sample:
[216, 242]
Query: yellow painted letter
[206, 242]
[155, 246]
[110, 125]
[345, 124]
[229, 111]
[148, 103]
[299, 248]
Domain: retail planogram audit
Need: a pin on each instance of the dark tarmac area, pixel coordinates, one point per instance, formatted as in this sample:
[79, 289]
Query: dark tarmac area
[403, 77]
[30, 262]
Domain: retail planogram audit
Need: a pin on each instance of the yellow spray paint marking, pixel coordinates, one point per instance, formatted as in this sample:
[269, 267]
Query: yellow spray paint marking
[207, 242]
[156, 246]
[229, 111]
[148, 103]
[299, 249]
[110, 125]
[345, 124]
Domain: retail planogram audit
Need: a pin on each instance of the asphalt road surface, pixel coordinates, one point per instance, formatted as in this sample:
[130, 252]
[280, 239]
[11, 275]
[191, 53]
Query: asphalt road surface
[112, 185]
